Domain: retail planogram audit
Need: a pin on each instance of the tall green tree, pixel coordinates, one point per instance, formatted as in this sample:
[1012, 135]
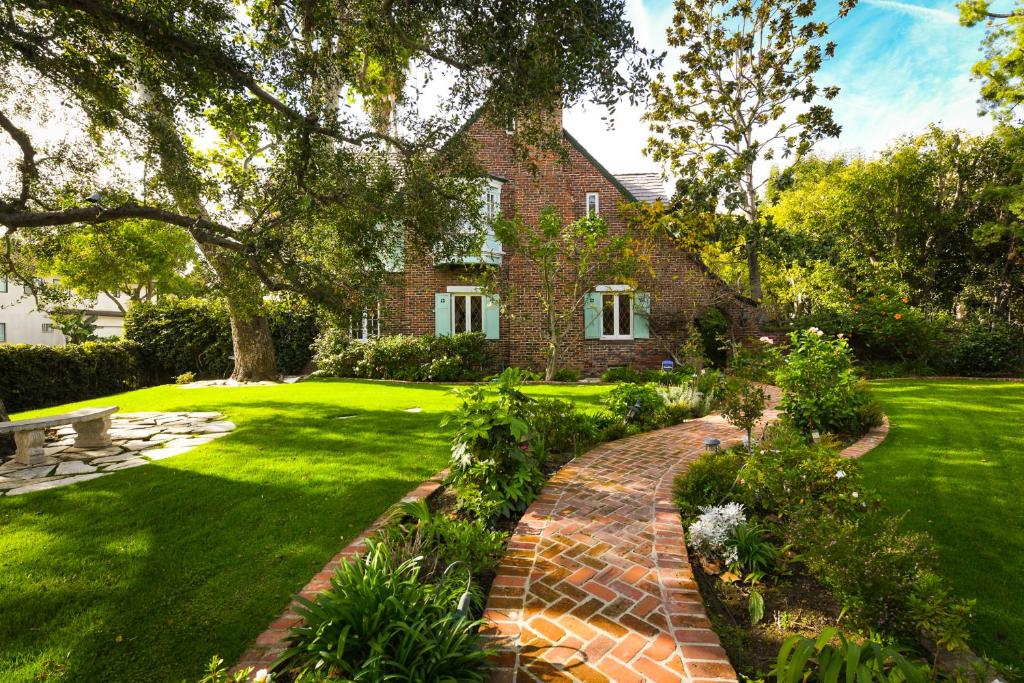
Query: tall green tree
[745, 93]
[1001, 71]
[248, 119]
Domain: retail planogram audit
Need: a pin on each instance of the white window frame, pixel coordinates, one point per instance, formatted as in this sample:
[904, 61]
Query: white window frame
[596, 196]
[47, 328]
[367, 329]
[3, 333]
[467, 291]
[3, 284]
[616, 292]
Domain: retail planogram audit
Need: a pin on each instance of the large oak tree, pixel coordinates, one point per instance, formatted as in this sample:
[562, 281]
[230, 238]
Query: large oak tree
[248, 120]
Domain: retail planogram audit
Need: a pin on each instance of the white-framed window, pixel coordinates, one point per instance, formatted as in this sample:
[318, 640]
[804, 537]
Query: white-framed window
[26, 290]
[368, 327]
[617, 315]
[3, 284]
[467, 312]
[492, 200]
[593, 204]
[47, 328]
[3, 333]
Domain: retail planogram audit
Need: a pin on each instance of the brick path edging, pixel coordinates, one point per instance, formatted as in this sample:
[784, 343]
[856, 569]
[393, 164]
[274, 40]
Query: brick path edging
[270, 644]
[869, 441]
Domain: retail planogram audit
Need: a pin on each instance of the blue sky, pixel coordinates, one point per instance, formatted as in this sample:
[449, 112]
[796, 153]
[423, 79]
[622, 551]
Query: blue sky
[900, 65]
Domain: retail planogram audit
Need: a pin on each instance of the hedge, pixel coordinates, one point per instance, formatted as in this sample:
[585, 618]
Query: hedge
[458, 358]
[194, 335]
[35, 376]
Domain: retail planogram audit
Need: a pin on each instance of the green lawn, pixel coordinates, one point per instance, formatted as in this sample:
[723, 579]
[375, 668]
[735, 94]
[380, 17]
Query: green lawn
[954, 460]
[146, 574]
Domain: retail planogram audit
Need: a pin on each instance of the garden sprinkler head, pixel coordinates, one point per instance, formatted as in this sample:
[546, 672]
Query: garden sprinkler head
[711, 444]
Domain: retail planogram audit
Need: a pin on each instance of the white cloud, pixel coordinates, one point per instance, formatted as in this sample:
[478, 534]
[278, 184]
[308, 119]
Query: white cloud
[917, 10]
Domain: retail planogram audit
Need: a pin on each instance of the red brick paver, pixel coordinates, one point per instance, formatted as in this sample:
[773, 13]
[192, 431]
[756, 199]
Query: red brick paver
[597, 585]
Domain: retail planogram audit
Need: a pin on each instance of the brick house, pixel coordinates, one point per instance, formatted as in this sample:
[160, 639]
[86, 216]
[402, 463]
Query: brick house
[427, 297]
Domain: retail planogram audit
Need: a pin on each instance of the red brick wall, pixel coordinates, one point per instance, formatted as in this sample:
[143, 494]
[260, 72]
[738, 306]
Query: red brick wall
[681, 289]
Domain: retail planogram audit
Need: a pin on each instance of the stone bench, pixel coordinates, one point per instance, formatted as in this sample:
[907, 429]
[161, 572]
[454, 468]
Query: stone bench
[91, 425]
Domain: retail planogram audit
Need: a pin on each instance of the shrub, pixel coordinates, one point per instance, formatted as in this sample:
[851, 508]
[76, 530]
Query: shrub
[568, 375]
[757, 361]
[707, 481]
[194, 335]
[378, 622]
[185, 378]
[819, 384]
[869, 564]
[624, 374]
[443, 540]
[623, 397]
[495, 470]
[40, 376]
[559, 427]
[712, 533]
[743, 405]
[754, 554]
[978, 349]
[456, 358]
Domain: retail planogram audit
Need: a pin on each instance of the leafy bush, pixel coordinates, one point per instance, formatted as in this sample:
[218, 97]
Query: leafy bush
[194, 335]
[754, 553]
[623, 397]
[707, 481]
[743, 405]
[820, 384]
[628, 374]
[757, 361]
[36, 376]
[495, 470]
[568, 375]
[456, 358]
[684, 398]
[558, 427]
[806, 660]
[378, 622]
[185, 378]
[624, 374]
[442, 540]
[978, 349]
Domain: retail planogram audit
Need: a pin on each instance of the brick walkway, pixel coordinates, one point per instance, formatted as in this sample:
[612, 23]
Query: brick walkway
[596, 585]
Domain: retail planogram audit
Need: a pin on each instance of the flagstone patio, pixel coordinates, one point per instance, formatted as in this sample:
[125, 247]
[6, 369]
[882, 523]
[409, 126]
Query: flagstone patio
[137, 439]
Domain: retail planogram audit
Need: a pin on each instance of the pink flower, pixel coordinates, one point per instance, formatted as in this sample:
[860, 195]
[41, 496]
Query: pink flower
[766, 340]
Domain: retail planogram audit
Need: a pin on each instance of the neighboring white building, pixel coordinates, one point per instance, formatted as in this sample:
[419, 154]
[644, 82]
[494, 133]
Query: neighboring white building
[22, 323]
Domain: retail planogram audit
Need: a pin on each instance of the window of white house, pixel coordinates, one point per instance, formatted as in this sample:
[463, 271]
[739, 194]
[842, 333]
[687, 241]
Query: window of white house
[3, 284]
[467, 313]
[3, 332]
[26, 290]
[617, 315]
[593, 204]
[368, 327]
[47, 328]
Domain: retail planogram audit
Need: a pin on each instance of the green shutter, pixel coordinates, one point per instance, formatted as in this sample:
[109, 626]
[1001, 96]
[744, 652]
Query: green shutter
[492, 317]
[592, 316]
[641, 315]
[442, 314]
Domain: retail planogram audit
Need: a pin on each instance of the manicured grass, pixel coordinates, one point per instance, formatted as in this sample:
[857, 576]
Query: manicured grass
[146, 574]
[954, 461]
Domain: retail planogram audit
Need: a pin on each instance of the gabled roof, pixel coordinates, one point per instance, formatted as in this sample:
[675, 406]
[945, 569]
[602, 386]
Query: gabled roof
[597, 164]
[646, 187]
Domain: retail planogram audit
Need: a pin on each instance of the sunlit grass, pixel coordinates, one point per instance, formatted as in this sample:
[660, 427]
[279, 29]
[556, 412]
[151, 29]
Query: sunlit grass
[954, 462]
[145, 574]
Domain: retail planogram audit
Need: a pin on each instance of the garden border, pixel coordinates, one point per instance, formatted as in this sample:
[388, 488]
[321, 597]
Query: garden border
[867, 443]
[269, 645]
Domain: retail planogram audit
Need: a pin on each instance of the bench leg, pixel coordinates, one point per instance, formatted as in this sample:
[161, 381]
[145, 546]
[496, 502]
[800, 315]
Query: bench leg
[30, 447]
[93, 434]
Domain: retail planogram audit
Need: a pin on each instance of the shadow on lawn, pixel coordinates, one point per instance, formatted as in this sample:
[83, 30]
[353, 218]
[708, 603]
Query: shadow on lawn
[144, 575]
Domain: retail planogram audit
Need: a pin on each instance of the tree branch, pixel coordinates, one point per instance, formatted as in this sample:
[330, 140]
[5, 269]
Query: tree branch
[29, 171]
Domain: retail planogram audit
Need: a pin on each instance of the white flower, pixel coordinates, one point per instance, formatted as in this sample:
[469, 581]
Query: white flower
[816, 331]
[262, 676]
[855, 494]
[711, 532]
[840, 474]
[766, 340]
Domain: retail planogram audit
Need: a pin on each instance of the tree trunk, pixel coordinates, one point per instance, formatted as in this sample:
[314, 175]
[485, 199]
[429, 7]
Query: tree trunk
[754, 269]
[251, 340]
[550, 363]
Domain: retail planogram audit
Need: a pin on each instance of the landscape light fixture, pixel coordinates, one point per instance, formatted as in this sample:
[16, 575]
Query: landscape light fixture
[711, 444]
[633, 411]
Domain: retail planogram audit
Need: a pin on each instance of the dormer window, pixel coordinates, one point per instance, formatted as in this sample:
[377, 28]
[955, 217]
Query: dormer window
[593, 204]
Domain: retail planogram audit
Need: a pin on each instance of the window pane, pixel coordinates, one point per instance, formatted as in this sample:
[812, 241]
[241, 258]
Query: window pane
[608, 315]
[459, 314]
[3, 332]
[3, 284]
[476, 313]
[625, 315]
